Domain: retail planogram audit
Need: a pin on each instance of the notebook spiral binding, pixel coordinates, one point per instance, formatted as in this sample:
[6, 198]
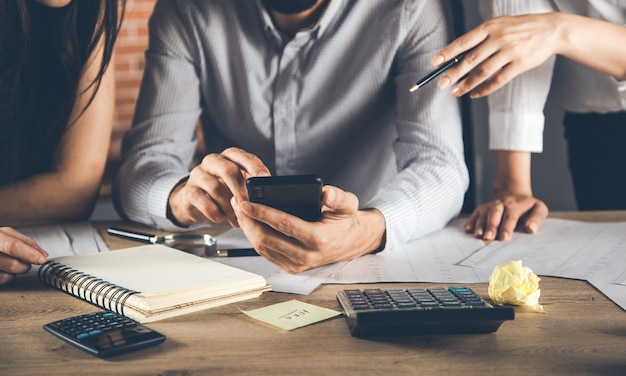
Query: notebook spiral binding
[84, 286]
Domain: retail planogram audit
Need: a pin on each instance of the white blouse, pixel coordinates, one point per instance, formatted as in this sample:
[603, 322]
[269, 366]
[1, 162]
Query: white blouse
[516, 116]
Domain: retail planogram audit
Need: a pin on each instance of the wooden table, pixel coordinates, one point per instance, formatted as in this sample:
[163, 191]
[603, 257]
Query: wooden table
[582, 333]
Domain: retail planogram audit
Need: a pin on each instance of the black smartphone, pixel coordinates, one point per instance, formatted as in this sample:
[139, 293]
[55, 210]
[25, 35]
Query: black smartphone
[299, 195]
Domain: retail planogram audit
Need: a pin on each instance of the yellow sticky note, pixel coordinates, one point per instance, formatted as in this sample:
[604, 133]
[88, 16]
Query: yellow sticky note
[513, 283]
[291, 314]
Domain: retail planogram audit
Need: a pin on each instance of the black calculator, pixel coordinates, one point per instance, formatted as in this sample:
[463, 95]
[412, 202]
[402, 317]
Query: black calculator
[104, 333]
[419, 311]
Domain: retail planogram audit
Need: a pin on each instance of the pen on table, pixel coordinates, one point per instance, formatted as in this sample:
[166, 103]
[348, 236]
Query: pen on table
[438, 71]
[237, 252]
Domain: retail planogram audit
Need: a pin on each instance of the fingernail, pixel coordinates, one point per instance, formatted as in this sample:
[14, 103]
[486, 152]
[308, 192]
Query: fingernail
[234, 202]
[456, 92]
[444, 82]
[505, 236]
[437, 60]
[263, 173]
[532, 227]
[245, 207]
[478, 232]
[332, 195]
[488, 235]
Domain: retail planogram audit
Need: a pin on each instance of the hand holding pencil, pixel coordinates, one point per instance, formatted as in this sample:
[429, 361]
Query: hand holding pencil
[492, 54]
[432, 75]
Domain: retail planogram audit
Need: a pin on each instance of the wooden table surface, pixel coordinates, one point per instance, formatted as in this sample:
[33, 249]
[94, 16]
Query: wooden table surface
[582, 332]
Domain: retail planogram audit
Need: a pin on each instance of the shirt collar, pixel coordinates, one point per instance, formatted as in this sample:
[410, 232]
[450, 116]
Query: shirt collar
[330, 13]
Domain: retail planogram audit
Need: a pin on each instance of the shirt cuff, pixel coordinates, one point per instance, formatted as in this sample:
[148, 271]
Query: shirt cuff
[158, 198]
[621, 87]
[516, 131]
[399, 219]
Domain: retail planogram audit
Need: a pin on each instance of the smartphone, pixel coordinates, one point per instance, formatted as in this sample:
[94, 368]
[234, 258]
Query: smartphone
[299, 195]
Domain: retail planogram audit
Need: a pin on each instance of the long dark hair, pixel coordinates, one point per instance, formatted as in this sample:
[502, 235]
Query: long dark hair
[43, 54]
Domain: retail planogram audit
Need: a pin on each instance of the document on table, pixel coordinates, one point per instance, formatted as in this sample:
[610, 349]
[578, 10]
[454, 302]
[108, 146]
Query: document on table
[590, 251]
[301, 283]
[431, 258]
[562, 248]
[613, 291]
[65, 240]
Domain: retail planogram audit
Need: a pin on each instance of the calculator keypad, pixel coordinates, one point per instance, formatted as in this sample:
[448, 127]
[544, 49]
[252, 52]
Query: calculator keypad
[92, 324]
[413, 298]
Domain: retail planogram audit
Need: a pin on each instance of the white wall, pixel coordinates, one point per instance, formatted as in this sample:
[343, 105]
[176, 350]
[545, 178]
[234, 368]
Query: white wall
[550, 174]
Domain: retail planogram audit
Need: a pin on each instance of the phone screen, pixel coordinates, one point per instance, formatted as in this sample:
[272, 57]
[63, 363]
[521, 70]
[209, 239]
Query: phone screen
[299, 195]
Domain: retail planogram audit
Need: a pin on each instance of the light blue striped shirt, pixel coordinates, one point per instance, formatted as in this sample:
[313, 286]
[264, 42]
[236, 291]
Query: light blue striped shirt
[333, 100]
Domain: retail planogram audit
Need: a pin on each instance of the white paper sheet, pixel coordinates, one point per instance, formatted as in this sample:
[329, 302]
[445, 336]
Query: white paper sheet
[431, 258]
[65, 240]
[563, 248]
[302, 283]
[615, 292]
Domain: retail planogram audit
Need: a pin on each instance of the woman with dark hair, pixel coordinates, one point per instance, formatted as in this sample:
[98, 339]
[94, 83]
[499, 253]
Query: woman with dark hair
[56, 114]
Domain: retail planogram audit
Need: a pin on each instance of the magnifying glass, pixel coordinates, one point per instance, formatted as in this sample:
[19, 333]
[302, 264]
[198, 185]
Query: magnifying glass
[198, 244]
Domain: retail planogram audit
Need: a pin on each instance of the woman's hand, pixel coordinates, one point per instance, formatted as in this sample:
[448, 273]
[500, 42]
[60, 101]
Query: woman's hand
[501, 48]
[498, 218]
[17, 253]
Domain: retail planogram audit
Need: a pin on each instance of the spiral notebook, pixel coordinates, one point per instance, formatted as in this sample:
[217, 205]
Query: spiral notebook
[151, 282]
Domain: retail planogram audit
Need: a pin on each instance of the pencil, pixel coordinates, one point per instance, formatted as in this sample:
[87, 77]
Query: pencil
[237, 252]
[438, 71]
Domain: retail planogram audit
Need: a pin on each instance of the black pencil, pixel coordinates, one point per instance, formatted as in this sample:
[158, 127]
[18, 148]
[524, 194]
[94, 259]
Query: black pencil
[438, 71]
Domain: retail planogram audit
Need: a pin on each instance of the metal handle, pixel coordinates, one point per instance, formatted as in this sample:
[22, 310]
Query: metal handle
[133, 235]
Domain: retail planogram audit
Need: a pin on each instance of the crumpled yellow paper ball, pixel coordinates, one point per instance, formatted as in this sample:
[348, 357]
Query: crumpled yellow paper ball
[513, 283]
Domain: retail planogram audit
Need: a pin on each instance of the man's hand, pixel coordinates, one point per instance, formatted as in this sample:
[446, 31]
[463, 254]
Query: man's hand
[498, 218]
[17, 253]
[343, 233]
[206, 195]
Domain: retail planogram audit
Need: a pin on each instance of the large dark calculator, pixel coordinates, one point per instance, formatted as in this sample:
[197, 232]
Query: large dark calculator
[419, 311]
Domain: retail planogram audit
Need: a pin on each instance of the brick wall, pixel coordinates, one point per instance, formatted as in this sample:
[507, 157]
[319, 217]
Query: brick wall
[129, 63]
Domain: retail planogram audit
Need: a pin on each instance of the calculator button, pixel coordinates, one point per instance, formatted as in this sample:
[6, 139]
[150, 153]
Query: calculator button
[382, 305]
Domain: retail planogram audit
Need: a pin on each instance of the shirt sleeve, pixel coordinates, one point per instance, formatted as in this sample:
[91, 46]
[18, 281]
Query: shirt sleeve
[516, 117]
[429, 188]
[160, 145]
